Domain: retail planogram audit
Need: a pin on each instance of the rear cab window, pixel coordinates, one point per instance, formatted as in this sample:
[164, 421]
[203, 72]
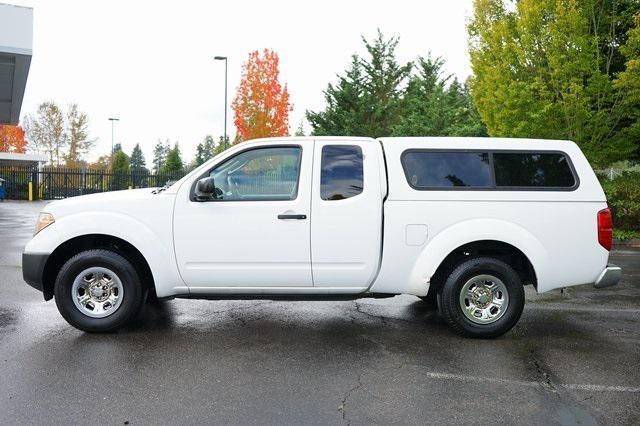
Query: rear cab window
[427, 169]
[341, 174]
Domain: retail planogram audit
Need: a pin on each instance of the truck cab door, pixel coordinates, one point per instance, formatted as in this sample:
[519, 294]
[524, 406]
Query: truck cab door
[255, 232]
[346, 204]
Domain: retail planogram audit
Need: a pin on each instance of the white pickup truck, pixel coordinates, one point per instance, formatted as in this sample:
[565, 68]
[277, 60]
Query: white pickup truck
[461, 222]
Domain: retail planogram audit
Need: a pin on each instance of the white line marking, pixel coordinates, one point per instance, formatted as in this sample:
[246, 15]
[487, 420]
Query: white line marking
[476, 379]
[602, 388]
[574, 309]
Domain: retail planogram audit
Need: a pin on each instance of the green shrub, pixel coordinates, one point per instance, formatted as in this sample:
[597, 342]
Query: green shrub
[624, 235]
[623, 196]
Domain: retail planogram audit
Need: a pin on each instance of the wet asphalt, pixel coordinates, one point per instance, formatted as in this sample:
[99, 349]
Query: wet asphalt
[574, 358]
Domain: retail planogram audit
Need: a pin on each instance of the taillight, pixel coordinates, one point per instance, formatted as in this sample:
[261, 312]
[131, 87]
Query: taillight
[605, 229]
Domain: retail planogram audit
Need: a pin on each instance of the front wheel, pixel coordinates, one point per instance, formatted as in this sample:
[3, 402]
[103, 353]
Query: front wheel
[98, 290]
[482, 297]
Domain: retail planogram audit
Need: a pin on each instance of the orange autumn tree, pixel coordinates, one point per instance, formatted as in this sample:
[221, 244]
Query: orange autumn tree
[261, 104]
[12, 139]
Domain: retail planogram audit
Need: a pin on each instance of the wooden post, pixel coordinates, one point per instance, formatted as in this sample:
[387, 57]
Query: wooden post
[30, 191]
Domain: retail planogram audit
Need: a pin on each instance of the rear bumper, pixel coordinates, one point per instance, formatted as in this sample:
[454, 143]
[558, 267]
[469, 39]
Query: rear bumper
[33, 269]
[610, 276]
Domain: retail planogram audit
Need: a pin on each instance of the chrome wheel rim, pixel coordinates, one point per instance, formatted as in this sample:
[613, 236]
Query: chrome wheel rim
[97, 292]
[484, 299]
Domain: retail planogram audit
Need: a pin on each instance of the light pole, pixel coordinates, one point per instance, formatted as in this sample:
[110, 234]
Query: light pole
[112, 120]
[224, 58]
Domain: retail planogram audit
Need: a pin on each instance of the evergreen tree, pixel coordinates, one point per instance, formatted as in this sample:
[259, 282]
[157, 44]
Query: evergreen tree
[209, 147]
[367, 99]
[199, 159]
[120, 163]
[173, 164]
[300, 129]
[465, 119]
[378, 97]
[345, 110]
[160, 151]
[220, 147]
[434, 106]
[137, 161]
[120, 169]
[205, 151]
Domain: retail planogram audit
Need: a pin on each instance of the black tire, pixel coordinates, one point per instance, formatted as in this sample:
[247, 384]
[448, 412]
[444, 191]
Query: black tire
[132, 295]
[450, 305]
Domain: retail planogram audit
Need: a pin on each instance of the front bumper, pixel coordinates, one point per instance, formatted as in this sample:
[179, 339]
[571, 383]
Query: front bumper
[610, 276]
[33, 269]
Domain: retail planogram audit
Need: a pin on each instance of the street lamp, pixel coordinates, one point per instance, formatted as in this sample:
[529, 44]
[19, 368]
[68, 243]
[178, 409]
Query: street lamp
[112, 120]
[224, 58]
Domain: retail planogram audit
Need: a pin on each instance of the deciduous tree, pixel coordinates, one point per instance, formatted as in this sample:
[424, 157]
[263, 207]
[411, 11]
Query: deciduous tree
[46, 133]
[77, 131]
[628, 82]
[261, 105]
[12, 139]
[548, 69]
[102, 163]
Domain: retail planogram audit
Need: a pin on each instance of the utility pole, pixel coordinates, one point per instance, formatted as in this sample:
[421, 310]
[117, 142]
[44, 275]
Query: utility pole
[224, 58]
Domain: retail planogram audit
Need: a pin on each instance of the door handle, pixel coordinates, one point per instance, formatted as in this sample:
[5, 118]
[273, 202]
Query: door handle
[292, 216]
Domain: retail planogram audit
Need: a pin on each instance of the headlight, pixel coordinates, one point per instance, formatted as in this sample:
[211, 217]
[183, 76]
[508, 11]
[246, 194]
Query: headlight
[44, 220]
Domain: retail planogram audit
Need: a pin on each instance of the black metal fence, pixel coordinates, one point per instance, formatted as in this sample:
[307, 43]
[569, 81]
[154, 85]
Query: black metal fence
[50, 183]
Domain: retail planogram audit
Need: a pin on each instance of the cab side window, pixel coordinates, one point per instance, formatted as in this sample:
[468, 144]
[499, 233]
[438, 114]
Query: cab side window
[341, 174]
[260, 174]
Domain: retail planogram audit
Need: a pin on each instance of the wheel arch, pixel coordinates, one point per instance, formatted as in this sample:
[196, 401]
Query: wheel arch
[500, 250]
[75, 245]
[479, 236]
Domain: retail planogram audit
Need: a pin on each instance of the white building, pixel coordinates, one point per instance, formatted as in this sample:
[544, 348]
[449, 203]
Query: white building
[16, 41]
[15, 159]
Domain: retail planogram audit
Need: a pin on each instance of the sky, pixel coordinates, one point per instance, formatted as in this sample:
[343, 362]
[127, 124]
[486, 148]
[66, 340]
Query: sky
[150, 63]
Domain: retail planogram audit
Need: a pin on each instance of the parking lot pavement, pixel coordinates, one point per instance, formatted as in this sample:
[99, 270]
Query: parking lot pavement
[573, 358]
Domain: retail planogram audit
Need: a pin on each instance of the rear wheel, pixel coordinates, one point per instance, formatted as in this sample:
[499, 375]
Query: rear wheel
[98, 290]
[482, 297]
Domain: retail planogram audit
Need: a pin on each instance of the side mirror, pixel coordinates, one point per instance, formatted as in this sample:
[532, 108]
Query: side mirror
[205, 189]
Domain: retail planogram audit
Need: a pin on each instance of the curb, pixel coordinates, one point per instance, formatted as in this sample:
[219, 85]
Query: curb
[625, 244]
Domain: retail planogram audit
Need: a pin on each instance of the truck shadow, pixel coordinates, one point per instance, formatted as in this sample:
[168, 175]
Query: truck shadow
[334, 319]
